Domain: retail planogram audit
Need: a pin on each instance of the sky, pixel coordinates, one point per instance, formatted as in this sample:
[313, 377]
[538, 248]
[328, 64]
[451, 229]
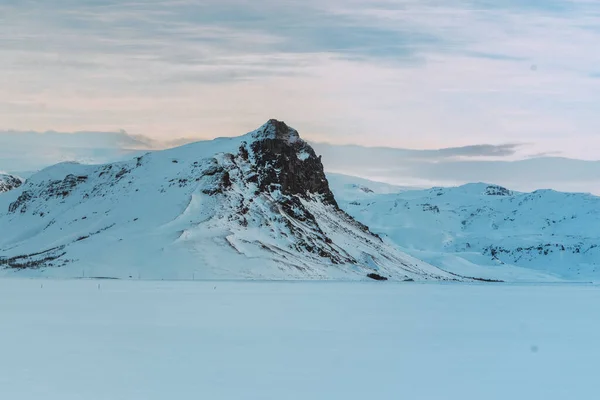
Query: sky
[421, 74]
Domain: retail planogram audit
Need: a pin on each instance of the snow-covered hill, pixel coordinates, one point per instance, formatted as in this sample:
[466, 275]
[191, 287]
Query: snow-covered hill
[9, 182]
[481, 227]
[256, 206]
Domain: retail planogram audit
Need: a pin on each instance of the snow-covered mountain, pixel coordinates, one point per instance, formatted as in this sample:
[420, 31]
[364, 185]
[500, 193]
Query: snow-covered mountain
[9, 182]
[483, 229]
[256, 206]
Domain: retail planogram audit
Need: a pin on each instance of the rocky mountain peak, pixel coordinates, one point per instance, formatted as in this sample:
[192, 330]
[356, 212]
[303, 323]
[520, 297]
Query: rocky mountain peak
[286, 163]
[277, 130]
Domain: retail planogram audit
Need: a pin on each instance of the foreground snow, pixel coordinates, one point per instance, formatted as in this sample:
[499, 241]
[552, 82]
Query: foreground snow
[106, 339]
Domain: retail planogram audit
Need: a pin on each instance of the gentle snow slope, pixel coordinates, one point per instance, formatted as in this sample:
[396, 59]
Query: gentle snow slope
[463, 228]
[256, 206]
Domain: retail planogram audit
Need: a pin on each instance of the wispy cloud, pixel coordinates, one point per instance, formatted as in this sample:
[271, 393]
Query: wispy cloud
[383, 155]
[451, 167]
[482, 150]
[405, 73]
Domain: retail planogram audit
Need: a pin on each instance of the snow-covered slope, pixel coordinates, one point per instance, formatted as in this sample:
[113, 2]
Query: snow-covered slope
[255, 206]
[486, 228]
[9, 182]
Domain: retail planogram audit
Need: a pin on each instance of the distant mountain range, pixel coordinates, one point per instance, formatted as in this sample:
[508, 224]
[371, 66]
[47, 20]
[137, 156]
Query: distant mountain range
[483, 228]
[24, 153]
[453, 167]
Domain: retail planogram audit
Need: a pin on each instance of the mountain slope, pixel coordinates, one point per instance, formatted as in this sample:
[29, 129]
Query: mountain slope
[256, 206]
[9, 182]
[486, 225]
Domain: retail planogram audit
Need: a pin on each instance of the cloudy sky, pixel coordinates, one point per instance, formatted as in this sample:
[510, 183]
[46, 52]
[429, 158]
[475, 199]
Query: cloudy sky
[403, 73]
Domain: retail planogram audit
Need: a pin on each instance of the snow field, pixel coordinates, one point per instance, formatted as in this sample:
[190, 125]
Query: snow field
[112, 339]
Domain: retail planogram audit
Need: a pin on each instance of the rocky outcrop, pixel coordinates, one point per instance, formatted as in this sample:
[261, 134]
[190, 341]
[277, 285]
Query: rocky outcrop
[287, 163]
[54, 189]
[9, 182]
[495, 190]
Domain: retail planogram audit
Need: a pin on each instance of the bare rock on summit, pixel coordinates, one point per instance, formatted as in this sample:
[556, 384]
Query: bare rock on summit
[285, 161]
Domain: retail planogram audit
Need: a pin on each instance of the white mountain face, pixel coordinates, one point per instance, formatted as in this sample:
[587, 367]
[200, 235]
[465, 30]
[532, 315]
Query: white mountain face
[256, 206]
[9, 182]
[483, 229]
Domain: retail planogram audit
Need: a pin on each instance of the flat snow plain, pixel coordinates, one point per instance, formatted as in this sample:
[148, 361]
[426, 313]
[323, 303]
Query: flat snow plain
[296, 340]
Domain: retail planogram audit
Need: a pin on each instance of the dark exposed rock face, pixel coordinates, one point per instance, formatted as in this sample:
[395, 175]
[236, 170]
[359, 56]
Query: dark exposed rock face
[377, 277]
[283, 161]
[20, 203]
[54, 189]
[65, 187]
[46, 258]
[494, 190]
[286, 162]
[9, 182]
